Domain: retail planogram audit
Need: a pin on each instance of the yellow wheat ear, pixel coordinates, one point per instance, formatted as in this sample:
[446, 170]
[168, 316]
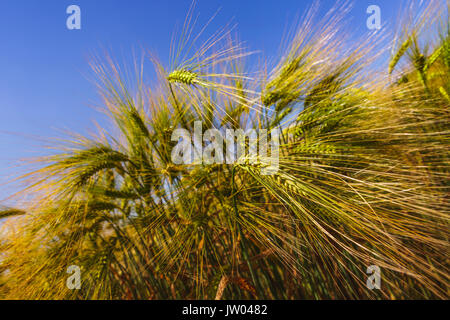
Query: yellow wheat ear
[183, 76]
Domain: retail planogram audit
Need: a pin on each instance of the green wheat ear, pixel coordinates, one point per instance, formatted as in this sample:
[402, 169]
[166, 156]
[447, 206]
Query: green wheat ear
[183, 76]
[401, 51]
[444, 93]
[9, 212]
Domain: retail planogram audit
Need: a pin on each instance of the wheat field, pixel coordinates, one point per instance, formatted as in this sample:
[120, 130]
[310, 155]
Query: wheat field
[362, 179]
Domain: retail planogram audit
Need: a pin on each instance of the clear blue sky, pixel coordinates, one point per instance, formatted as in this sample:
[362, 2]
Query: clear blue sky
[44, 66]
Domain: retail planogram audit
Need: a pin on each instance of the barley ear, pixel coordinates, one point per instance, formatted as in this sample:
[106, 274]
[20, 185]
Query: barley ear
[221, 287]
[399, 54]
[183, 76]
